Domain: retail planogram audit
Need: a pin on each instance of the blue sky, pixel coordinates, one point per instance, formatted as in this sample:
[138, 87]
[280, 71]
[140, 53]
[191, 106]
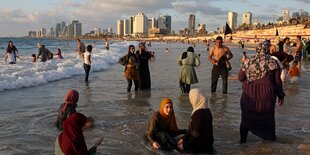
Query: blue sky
[17, 17]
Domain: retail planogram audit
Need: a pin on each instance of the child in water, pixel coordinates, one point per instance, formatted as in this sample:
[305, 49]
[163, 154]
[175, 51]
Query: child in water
[294, 73]
[34, 59]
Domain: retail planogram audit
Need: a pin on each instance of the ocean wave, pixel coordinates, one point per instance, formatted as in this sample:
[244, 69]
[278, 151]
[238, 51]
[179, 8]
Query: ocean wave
[27, 74]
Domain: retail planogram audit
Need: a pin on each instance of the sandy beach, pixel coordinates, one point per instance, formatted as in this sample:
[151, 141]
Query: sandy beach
[28, 114]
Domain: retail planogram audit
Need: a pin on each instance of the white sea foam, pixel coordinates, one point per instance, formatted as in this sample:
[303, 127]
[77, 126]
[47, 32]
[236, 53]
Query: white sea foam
[27, 74]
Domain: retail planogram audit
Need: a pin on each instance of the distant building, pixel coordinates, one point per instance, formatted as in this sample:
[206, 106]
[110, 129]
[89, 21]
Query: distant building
[164, 24]
[140, 25]
[201, 29]
[232, 20]
[304, 14]
[58, 30]
[295, 15]
[130, 25]
[286, 15]
[191, 24]
[247, 18]
[51, 33]
[32, 34]
[120, 28]
[126, 27]
[152, 22]
[97, 31]
[110, 30]
[77, 28]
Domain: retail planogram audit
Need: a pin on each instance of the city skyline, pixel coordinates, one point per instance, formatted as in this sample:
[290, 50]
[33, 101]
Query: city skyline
[34, 14]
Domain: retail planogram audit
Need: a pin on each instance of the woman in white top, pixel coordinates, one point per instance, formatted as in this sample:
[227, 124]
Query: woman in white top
[87, 61]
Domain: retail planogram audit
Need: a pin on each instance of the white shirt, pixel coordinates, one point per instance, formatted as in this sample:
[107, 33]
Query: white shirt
[86, 58]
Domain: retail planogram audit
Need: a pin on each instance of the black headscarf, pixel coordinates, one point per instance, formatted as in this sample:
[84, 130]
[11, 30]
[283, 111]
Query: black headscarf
[189, 49]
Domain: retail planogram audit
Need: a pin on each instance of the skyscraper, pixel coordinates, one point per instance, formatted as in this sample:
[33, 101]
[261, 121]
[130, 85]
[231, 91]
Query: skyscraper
[130, 25]
[286, 15]
[120, 28]
[140, 25]
[164, 24]
[77, 28]
[58, 30]
[232, 20]
[247, 18]
[126, 27]
[191, 24]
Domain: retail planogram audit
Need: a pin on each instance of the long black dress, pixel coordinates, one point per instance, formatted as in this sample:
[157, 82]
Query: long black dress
[145, 78]
[199, 138]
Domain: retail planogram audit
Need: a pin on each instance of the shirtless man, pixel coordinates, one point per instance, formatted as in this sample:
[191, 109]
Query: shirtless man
[218, 58]
[80, 48]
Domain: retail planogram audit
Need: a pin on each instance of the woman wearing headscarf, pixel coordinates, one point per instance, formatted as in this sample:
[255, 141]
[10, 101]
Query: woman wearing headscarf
[131, 63]
[71, 140]
[145, 76]
[188, 60]
[68, 108]
[199, 136]
[162, 129]
[261, 85]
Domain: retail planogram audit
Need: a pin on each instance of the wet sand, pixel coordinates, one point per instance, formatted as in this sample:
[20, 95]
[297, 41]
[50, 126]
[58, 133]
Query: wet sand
[28, 114]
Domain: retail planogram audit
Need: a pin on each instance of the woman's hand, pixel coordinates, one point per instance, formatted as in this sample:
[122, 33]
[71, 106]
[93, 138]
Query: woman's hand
[280, 102]
[155, 145]
[180, 145]
[99, 141]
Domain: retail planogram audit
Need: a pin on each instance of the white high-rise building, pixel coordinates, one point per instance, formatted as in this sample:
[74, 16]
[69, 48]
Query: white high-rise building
[247, 18]
[232, 20]
[140, 25]
[120, 28]
[286, 15]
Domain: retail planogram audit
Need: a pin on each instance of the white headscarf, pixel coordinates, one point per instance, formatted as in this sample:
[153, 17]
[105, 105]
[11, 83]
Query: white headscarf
[197, 100]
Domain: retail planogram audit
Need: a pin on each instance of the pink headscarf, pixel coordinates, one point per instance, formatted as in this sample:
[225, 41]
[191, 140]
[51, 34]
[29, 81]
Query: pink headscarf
[71, 98]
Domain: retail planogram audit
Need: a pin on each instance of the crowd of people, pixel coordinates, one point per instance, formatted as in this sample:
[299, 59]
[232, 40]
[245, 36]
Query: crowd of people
[262, 76]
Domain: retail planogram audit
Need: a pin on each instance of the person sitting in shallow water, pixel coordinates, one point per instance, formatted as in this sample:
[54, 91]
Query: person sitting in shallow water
[68, 108]
[163, 131]
[199, 136]
[71, 140]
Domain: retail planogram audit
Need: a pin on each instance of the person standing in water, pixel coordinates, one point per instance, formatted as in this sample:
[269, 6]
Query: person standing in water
[144, 57]
[87, 61]
[107, 44]
[218, 58]
[131, 63]
[188, 60]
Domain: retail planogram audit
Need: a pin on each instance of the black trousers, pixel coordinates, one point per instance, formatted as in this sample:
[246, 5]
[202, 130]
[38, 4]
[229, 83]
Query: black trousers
[185, 88]
[166, 141]
[243, 133]
[87, 69]
[218, 71]
[136, 82]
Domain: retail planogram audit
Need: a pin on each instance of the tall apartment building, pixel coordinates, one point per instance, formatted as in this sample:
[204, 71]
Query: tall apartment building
[126, 27]
[58, 30]
[120, 28]
[140, 25]
[286, 15]
[164, 24]
[191, 24]
[232, 20]
[247, 18]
